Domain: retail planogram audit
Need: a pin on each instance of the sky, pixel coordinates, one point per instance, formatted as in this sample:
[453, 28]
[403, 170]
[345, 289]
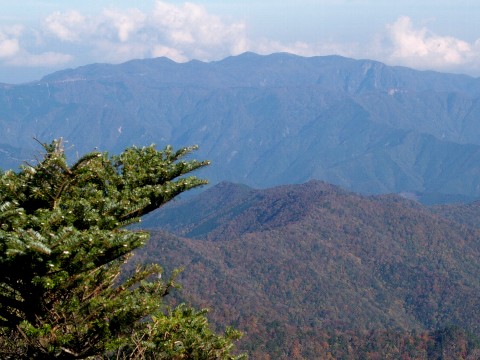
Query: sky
[38, 37]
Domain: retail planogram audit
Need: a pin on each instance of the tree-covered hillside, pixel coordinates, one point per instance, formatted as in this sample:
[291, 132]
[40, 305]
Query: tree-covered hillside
[294, 265]
[266, 120]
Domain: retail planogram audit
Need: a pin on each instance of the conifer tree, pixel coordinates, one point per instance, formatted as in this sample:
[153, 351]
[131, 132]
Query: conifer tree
[62, 245]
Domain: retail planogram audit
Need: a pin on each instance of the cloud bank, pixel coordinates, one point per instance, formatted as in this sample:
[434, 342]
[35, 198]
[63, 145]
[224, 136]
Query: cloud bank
[188, 31]
[180, 32]
[421, 48]
[9, 43]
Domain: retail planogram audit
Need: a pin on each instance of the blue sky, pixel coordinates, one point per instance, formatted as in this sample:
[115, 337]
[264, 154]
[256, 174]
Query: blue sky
[38, 37]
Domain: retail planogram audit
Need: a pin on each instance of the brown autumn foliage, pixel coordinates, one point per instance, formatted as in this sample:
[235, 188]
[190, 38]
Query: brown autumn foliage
[313, 271]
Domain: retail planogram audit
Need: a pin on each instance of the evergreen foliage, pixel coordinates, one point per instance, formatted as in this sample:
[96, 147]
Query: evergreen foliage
[63, 242]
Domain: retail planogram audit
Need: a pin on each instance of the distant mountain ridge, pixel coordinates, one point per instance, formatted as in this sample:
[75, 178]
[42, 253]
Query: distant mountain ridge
[300, 262]
[334, 72]
[266, 120]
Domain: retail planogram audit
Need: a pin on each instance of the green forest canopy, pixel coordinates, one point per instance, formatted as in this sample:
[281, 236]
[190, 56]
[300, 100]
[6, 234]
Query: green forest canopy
[63, 242]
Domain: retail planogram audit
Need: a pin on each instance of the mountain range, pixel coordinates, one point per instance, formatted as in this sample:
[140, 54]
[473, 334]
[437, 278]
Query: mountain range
[300, 242]
[265, 120]
[296, 266]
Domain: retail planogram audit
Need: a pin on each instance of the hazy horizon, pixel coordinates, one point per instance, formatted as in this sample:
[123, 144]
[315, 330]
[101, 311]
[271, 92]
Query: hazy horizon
[38, 38]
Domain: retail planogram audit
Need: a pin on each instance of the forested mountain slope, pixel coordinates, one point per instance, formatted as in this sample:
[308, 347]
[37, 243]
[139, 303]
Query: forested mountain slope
[292, 265]
[265, 120]
[468, 214]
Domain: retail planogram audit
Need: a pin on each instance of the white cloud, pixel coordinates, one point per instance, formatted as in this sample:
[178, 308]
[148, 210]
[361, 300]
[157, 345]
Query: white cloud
[67, 26]
[181, 32]
[402, 43]
[8, 47]
[9, 41]
[12, 53]
[196, 33]
[419, 47]
[125, 22]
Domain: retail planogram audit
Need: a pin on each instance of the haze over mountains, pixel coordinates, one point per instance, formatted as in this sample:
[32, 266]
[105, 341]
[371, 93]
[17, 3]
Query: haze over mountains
[266, 120]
